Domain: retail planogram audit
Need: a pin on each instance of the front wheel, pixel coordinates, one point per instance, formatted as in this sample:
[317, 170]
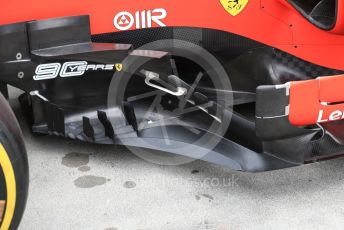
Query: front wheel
[13, 169]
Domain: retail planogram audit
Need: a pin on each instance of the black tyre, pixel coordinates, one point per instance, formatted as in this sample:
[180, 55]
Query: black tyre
[14, 173]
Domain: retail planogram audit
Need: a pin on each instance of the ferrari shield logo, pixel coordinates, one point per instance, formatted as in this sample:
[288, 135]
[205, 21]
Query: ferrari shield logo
[234, 7]
[119, 67]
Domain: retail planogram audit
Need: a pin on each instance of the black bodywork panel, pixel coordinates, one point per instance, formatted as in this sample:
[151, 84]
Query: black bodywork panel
[77, 107]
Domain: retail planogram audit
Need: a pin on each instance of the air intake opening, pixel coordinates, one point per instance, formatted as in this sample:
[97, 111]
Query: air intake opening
[322, 13]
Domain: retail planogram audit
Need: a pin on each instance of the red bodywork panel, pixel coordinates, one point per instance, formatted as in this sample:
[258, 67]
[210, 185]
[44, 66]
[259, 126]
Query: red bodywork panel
[272, 22]
[316, 101]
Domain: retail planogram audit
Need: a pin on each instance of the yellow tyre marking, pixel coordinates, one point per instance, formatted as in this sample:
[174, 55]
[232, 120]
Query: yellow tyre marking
[6, 165]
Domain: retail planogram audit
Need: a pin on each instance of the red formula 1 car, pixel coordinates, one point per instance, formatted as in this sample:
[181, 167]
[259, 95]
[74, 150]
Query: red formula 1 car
[254, 85]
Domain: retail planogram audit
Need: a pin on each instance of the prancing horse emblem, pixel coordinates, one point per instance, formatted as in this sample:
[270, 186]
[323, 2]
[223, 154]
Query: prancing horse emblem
[119, 67]
[234, 7]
